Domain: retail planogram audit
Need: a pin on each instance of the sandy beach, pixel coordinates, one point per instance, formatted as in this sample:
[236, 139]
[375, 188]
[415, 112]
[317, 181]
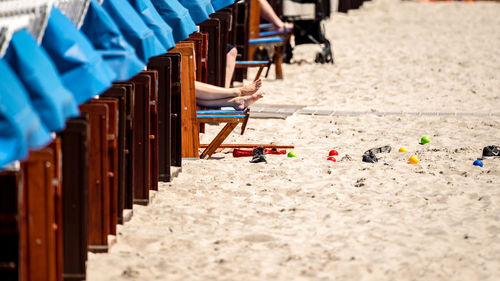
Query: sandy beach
[402, 70]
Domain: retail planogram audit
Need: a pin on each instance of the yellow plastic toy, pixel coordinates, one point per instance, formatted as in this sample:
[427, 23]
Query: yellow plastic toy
[403, 149]
[413, 160]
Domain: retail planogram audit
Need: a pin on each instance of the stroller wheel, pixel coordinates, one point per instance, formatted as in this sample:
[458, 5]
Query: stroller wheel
[319, 58]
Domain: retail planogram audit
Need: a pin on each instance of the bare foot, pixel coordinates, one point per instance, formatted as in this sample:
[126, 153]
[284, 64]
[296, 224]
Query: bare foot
[251, 89]
[241, 103]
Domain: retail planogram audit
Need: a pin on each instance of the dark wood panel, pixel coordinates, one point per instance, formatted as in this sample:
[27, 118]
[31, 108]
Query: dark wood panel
[99, 197]
[119, 93]
[74, 144]
[141, 143]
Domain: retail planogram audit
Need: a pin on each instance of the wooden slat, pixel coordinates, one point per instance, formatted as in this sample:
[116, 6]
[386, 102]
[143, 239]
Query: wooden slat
[250, 145]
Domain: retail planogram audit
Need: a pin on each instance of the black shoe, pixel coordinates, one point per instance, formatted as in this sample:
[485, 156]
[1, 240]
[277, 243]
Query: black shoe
[258, 155]
[491, 151]
[369, 157]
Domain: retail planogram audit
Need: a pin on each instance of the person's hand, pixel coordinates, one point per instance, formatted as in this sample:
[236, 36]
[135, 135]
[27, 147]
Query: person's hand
[288, 25]
[285, 26]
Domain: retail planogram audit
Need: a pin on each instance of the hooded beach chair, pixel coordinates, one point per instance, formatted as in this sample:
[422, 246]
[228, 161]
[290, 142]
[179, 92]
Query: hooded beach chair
[246, 15]
[274, 39]
[133, 28]
[52, 101]
[20, 126]
[108, 40]
[82, 69]
[154, 21]
[177, 17]
[198, 9]
[220, 4]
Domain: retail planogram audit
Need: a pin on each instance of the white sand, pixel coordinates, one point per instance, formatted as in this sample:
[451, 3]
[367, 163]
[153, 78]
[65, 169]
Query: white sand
[312, 219]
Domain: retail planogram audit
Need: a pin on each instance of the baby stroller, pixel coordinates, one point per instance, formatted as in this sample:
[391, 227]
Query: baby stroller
[307, 17]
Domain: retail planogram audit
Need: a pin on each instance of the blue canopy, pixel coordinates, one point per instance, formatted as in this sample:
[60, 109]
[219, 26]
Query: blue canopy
[106, 37]
[221, 4]
[53, 102]
[20, 127]
[177, 17]
[154, 21]
[198, 9]
[82, 69]
[134, 29]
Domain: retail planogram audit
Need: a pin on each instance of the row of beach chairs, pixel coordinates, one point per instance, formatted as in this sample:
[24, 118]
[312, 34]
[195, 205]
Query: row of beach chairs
[67, 198]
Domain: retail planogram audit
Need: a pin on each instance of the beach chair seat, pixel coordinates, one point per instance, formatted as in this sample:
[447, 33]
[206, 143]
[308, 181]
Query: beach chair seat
[276, 42]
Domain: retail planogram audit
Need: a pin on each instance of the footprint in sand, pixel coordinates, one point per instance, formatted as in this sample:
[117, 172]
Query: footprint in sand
[256, 238]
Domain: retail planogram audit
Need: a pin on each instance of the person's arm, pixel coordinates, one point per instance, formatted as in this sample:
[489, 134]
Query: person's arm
[267, 12]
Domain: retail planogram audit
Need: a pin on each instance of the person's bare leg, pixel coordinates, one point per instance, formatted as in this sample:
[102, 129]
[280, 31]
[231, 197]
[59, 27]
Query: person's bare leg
[230, 65]
[267, 12]
[237, 103]
[206, 91]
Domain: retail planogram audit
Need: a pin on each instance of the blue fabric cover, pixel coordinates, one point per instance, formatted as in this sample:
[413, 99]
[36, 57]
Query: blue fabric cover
[177, 17]
[20, 127]
[134, 29]
[273, 32]
[153, 20]
[198, 9]
[266, 40]
[81, 68]
[251, 61]
[107, 39]
[221, 4]
[52, 101]
[220, 116]
[266, 25]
